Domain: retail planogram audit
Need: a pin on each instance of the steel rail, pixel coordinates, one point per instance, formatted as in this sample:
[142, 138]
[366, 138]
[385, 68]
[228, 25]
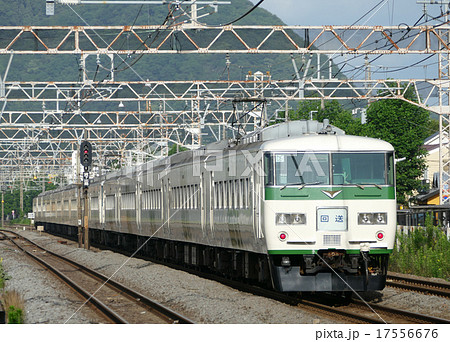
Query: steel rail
[403, 313]
[425, 286]
[104, 309]
[136, 296]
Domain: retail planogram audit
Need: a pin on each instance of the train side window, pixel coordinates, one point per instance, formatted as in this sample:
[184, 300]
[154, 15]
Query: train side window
[237, 196]
[144, 200]
[195, 196]
[233, 194]
[94, 203]
[159, 198]
[217, 193]
[128, 201]
[175, 191]
[241, 193]
[268, 169]
[187, 205]
[247, 191]
[390, 169]
[110, 202]
[230, 195]
[225, 194]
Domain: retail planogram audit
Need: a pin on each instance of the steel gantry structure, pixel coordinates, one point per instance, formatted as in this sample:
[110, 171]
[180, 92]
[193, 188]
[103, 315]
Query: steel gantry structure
[49, 119]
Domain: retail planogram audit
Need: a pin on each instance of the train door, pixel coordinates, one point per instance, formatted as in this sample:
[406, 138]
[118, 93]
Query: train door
[138, 202]
[166, 205]
[211, 202]
[206, 204]
[203, 203]
[257, 199]
[101, 209]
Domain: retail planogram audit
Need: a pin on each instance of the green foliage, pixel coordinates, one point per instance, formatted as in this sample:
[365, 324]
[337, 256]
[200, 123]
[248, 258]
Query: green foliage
[153, 67]
[175, 149]
[21, 220]
[12, 199]
[15, 315]
[405, 126]
[3, 276]
[424, 252]
[332, 110]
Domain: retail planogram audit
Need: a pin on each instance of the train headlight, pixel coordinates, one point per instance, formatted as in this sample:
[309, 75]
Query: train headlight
[372, 218]
[281, 219]
[380, 218]
[298, 219]
[291, 219]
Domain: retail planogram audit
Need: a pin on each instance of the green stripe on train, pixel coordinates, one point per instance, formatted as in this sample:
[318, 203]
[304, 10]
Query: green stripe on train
[316, 193]
[348, 251]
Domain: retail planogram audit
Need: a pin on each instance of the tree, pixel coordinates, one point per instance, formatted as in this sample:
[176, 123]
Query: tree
[405, 126]
[333, 111]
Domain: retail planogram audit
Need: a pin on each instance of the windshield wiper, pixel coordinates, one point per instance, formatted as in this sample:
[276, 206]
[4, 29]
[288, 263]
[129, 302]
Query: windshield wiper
[376, 185]
[291, 184]
[302, 185]
[361, 186]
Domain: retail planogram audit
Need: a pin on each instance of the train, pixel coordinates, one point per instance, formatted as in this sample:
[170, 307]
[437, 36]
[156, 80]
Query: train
[297, 206]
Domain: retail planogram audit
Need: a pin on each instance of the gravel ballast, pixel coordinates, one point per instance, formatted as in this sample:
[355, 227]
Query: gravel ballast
[202, 300]
[46, 299]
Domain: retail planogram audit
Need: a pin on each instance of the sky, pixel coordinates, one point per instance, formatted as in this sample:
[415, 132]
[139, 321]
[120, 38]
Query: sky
[345, 12]
[374, 12]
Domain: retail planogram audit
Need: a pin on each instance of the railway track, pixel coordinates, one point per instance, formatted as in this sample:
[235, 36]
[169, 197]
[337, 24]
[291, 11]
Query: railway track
[115, 301]
[354, 311]
[418, 285]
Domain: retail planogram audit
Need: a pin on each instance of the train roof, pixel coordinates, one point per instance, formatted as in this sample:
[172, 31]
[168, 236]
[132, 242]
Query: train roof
[310, 135]
[327, 142]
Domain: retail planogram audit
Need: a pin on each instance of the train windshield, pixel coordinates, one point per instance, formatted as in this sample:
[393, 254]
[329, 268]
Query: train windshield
[308, 168]
[297, 168]
[361, 168]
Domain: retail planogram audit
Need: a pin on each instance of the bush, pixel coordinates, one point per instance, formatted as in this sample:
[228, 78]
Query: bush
[15, 315]
[423, 252]
[15, 304]
[3, 276]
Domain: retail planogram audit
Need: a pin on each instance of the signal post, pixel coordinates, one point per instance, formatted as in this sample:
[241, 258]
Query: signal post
[86, 161]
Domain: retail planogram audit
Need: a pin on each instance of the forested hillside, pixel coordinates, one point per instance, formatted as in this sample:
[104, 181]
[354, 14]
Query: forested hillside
[153, 67]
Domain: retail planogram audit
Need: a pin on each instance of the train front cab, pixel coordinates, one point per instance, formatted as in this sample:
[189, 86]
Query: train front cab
[331, 225]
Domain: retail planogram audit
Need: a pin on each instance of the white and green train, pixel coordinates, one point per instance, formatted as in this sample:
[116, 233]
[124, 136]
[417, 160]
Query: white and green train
[298, 206]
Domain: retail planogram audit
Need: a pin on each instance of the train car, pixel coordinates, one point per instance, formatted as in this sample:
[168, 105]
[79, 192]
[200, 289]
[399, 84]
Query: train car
[298, 206]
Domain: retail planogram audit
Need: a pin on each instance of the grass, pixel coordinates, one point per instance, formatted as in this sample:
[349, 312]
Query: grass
[14, 303]
[424, 252]
[21, 220]
[3, 275]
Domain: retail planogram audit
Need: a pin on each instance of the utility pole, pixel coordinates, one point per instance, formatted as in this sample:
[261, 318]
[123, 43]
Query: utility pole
[21, 190]
[3, 209]
[86, 219]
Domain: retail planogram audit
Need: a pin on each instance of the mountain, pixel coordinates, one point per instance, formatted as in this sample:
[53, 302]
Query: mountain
[153, 67]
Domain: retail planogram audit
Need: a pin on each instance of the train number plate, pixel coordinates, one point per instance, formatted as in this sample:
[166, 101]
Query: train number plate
[332, 219]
